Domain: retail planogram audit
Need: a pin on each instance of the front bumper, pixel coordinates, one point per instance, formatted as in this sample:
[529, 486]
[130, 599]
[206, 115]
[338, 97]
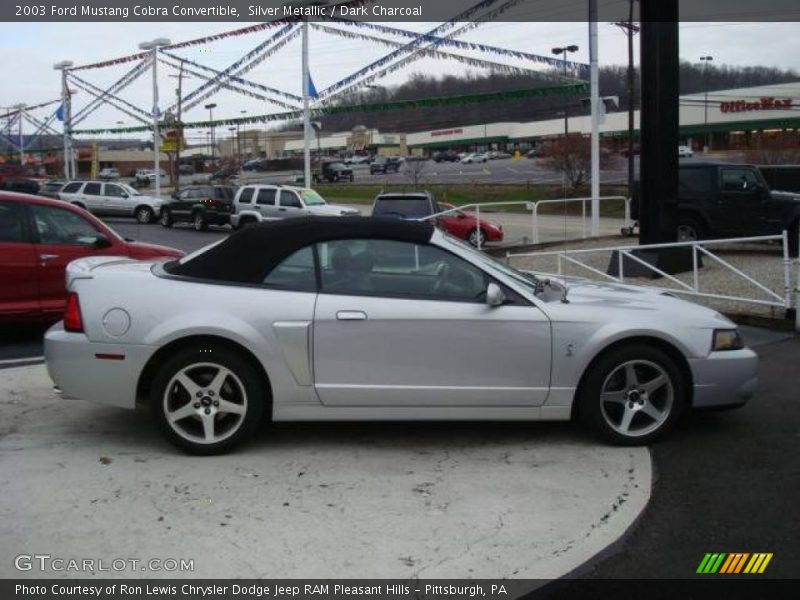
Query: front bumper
[724, 379]
[82, 369]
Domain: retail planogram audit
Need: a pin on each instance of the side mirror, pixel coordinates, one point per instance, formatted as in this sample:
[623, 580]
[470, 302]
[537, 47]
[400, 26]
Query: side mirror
[101, 241]
[495, 295]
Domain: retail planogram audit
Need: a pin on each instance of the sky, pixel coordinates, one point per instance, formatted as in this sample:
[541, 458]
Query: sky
[29, 51]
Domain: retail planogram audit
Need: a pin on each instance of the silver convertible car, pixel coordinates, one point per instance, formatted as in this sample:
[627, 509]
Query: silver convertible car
[367, 319]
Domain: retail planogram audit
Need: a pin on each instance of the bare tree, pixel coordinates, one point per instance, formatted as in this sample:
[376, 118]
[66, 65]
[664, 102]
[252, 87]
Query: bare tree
[781, 150]
[414, 170]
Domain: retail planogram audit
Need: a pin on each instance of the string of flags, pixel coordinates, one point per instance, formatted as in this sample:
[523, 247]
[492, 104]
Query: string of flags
[578, 88]
[99, 99]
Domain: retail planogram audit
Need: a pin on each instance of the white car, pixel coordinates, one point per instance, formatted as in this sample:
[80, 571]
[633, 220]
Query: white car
[474, 157]
[685, 152]
[112, 199]
[256, 203]
[149, 175]
[108, 173]
[364, 319]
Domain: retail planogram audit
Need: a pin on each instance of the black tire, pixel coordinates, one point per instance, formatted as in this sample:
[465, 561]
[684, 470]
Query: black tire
[476, 235]
[199, 221]
[166, 218]
[243, 388]
[607, 378]
[690, 228]
[144, 214]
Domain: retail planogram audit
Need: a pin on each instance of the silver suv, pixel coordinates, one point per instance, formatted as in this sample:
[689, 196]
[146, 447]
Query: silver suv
[256, 203]
[113, 199]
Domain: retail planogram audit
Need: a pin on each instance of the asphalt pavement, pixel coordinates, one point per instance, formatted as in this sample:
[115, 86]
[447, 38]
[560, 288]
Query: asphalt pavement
[724, 482]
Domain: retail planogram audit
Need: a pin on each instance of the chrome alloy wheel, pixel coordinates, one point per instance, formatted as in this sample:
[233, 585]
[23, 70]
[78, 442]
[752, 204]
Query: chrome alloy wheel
[637, 398]
[205, 403]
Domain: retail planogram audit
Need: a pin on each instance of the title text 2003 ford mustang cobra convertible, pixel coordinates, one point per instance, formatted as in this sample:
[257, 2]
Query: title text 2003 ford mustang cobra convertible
[371, 319]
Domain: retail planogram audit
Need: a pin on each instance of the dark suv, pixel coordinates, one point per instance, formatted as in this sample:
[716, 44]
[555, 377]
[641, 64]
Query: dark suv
[384, 164]
[201, 205]
[334, 171]
[731, 200]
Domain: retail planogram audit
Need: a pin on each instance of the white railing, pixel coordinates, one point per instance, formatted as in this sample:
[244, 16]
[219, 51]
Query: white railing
[699, 248]
[534, 208]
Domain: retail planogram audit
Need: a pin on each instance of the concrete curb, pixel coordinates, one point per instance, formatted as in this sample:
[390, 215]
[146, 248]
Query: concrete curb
[396, 500]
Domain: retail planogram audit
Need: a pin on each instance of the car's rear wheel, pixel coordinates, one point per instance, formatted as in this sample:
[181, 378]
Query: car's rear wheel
[690, 229]
[199, 221]
[144, 214]
[632, 395]
[477, 237]
[166, 218]
[206, 400]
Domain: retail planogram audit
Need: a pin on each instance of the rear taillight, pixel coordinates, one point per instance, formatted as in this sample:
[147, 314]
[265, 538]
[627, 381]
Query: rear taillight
[72, 314]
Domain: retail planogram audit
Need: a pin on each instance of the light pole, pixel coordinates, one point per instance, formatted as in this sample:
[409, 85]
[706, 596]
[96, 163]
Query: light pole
[239, 141]
[62, 66]
[211, 108]
[565, 50]
[21, 108]
[706, 60]
[153, 47]
[317, 125]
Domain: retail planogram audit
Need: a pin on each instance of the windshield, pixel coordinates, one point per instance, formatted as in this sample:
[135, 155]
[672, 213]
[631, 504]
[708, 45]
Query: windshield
[311, 198]
[528, 280]
[129, 189]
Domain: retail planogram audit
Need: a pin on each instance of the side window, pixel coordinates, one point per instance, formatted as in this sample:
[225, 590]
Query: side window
[398, 269]
[266, 197]
[738, 180]
[695, 181]
[185, 195]
[296, 272]
[246, 195]
[12, 222]
[92, 189]
[290, 199]
[72, 188]
[115, 191]
[59, 226]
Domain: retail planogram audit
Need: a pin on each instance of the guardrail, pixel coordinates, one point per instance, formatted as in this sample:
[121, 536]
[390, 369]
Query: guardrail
[533, 206]
[698, 248]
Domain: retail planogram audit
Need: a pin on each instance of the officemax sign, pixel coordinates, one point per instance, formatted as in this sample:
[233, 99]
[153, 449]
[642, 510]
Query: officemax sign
[767, 103]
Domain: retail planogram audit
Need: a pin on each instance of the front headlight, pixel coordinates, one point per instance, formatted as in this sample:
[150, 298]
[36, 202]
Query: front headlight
[726, 339]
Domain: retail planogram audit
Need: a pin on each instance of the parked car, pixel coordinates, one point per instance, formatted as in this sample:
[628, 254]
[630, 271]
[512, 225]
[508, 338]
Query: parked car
[38, 238]
[474, 157]
[148, 176]
[497, 155]
[384, 164]
[402, 205]
[225, 174]
[254, 164]
[465, 226]
[718, 200]
[200, 205]
[112, 199]
[446, 156]
[256, 203]
[371, 319]
[15, 177]
[108, 173]
[333, 172]
[357, 159]
[51, 188]
[185, 170]
[685, 152]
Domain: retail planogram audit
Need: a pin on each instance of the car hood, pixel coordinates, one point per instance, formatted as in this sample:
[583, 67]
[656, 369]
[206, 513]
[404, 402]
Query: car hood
[602, 298]
[332, 210]
[780, 195]
[145, 251]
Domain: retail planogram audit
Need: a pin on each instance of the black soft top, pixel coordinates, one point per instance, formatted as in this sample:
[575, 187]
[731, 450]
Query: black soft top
[250, 254]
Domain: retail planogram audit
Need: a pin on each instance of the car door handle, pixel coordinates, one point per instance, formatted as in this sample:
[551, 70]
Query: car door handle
[282, 209]
[46, 257]
[351, 315]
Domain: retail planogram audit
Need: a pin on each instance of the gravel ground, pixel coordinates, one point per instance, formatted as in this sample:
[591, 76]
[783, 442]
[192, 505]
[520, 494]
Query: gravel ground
[764, 262]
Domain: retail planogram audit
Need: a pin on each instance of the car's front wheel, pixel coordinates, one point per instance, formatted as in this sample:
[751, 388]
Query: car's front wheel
[206, 400]
[477, 238]
[690, 229]
[144, 214]
[632, 395]
[199, 221]
[166, 218]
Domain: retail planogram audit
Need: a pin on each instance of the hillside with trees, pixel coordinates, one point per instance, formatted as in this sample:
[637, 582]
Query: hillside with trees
[613, 82]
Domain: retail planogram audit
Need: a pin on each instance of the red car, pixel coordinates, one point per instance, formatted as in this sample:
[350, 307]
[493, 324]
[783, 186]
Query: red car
[465, 226]
[38, 238]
